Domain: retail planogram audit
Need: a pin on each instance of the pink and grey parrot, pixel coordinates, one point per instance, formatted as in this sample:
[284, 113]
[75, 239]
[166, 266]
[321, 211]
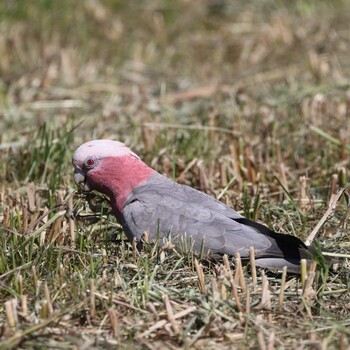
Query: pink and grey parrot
[145, 201]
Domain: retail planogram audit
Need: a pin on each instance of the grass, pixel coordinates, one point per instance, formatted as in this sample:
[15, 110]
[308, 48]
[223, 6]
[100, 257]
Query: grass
[248, 101]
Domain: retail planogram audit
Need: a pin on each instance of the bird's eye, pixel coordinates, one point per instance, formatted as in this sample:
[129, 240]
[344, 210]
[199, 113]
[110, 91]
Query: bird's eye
[90, 162]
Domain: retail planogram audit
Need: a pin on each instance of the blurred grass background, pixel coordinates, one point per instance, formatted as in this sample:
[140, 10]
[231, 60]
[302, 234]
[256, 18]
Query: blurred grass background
[205, 91]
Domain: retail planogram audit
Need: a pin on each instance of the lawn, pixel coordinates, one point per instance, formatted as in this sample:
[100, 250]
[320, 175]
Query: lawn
[248, 101]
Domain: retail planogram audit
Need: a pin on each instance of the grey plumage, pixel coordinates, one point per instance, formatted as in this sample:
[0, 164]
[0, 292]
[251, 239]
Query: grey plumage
[165, 208]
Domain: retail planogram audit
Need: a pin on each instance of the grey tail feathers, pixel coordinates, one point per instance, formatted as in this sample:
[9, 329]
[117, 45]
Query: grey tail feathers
[292, 248]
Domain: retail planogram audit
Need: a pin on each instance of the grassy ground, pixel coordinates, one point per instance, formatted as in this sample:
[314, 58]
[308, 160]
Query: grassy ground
[246, 100]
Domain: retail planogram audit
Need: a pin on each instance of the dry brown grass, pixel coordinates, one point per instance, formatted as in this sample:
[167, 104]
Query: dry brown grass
[248, 101]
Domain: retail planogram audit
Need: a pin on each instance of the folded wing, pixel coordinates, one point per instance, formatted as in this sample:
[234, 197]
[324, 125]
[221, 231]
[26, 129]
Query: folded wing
[164, 208]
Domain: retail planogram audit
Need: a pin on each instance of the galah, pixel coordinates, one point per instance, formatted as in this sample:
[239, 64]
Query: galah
[143, 200]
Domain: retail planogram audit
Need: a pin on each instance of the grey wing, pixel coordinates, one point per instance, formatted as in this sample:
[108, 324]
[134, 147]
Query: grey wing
[165, 208]
[163, 186]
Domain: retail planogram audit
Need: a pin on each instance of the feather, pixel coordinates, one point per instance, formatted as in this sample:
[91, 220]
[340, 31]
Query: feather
[165, 208]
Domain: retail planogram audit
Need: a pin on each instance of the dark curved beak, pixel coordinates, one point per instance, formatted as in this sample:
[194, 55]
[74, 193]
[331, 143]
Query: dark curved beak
[80, 180]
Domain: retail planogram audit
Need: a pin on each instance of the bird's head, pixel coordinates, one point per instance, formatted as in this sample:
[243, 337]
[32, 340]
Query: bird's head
[108, 167]
[93, 157]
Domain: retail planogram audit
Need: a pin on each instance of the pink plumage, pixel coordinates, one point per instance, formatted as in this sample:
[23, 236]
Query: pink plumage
[118, 172]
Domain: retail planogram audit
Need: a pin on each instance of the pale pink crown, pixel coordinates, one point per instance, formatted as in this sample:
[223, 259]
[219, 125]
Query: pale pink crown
[101, 149]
